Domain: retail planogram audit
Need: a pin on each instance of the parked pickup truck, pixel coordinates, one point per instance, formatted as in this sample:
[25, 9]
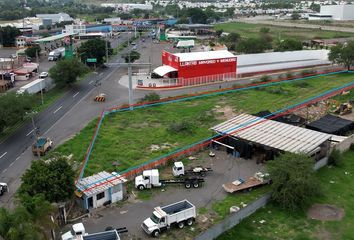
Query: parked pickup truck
[257, 180]
[151, 178]
[180, 213]
[42, 146]
[178, 170]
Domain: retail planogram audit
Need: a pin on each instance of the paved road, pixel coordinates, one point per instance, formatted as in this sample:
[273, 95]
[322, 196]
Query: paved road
[14, 157]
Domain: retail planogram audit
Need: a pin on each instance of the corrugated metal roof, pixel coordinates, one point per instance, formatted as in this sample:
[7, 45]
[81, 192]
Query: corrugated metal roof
[107, 235]
[99, 182]
[198, 56]
[273, 134]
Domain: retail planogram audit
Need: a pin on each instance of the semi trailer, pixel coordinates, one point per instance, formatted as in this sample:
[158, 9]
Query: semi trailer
[151, 178]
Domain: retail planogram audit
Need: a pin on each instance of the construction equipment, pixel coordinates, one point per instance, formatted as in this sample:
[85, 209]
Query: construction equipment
[180, 213]
[150, 178]
[100, 97]
[3, 188]
[344, 108]
[42, 146]
[179, 170]
[257, 180]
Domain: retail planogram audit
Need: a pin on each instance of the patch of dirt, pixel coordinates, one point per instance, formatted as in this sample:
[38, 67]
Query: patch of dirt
[325, 212]
[228, 112]
[323, 234]
[315, 111]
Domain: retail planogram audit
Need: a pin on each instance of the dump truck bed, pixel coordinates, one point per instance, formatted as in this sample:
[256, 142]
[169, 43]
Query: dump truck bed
[249, 183]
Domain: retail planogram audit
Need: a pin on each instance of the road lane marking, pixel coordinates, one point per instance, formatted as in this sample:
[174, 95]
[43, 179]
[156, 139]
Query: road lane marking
[100, 74]
[75, 94]
[29, 133]
[91, 82]
[11, 164]
[57, 110]
[3, 154]
[3, 171]
[17, 158]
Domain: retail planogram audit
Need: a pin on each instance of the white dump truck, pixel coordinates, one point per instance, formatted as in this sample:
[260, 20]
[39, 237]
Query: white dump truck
[178, 170]
[78, 232]
[180, 214]
[151, 178]
[33, 87]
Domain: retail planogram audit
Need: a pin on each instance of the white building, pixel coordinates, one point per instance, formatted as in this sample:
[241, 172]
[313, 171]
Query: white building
[75, 29]
[97, 190]
[127, 7]
[55, 18]
[334, 12]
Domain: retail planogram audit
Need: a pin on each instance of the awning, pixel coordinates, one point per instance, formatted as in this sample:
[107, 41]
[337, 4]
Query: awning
[163, 70]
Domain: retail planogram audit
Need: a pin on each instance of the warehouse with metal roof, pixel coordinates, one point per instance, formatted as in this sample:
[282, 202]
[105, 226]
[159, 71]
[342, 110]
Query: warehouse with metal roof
[255, 137]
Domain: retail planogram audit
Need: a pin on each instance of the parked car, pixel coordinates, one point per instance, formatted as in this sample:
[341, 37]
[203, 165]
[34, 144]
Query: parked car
[13, 56]
[133, 43]
[43, 75]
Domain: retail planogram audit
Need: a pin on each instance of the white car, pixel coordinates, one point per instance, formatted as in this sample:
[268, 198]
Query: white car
[43, 75]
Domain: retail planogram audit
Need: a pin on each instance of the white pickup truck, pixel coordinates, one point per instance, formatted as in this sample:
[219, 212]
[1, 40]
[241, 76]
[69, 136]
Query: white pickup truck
[180, 213]
[78, 232]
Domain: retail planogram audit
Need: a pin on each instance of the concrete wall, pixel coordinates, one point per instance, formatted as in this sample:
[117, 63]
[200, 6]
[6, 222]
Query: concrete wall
[234, 219]
[345, 145]
[339, 12]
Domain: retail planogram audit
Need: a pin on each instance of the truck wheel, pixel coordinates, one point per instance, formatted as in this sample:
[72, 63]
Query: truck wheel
[156, 233]
[190, 222]
[181, 225]
[196, 185]
[141, 187]
[187, 185]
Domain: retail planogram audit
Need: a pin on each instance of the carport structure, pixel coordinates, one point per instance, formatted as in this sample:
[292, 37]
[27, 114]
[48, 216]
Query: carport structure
[271, 137]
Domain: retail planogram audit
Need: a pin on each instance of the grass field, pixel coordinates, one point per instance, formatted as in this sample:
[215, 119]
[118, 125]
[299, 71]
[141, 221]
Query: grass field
[127, 137]
[281, 224]
[247, 30]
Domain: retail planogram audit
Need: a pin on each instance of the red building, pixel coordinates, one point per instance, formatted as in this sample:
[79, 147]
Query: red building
[194, 65]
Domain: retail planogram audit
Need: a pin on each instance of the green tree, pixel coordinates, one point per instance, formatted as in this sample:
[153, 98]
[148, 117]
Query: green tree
[342, 54]
[252, 45]
[134, 55]
[294, 182]
[197, 15]
[54, 180]
[289, 44]
[66, 72]
[94, 48]
[20, 104]
[33, 51]
[8, 35]
[295, 16]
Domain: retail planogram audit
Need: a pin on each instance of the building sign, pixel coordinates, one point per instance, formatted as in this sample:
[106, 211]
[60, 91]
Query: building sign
[211, 61]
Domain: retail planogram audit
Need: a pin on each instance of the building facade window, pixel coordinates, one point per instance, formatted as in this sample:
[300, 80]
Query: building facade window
[100, 195]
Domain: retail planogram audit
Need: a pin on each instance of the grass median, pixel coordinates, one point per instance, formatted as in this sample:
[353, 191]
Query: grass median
[134, 137]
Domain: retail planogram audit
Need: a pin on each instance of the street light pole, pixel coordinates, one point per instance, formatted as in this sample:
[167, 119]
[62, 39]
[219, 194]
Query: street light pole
[37, 59]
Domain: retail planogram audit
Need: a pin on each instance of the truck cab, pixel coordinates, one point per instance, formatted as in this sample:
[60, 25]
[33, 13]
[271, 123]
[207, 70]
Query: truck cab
[3, 188]
[76, 232]
[178, 169]
[156, 223]
[149, 179]
[42, 146]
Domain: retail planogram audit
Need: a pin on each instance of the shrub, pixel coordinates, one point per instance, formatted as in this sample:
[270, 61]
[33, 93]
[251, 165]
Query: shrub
[151, 97]
[302, 84]
[351, 147]
[289, 75]
[265, 78]
[335, 158]
[184, 126]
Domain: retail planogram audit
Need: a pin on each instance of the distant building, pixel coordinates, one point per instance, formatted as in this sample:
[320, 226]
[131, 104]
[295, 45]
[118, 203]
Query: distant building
[55, 18]
[334, 12]
[75, 29]
[22, 41]
[127, 7]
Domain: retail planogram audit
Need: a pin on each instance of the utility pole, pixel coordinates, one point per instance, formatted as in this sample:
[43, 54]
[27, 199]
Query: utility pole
[37, 59]
[106, 51]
